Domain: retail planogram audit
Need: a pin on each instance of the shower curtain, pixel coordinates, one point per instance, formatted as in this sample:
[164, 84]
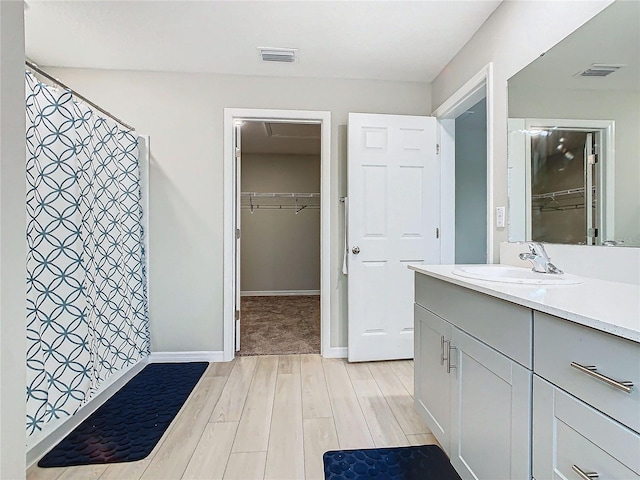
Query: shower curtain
[86, 281]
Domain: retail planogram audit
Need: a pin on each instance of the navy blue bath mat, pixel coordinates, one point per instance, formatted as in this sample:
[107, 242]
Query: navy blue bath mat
[426, 462]
[129, 424]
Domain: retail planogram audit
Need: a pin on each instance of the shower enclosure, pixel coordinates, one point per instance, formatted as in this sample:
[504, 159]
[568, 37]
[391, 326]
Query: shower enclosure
[86, 295]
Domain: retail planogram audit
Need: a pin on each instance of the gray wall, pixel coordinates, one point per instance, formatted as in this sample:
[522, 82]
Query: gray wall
[183, 114]
[280, 250]
[512, 37]
[471, 185]
[13, 338]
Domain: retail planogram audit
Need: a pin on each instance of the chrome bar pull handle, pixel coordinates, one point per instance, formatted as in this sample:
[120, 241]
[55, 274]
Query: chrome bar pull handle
[449, 349]
[442, 353]
[584, 475]
[592, 371]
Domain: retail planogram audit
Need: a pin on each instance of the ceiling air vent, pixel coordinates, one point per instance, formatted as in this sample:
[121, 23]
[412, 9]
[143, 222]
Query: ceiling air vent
[599, 70]
[283, 55]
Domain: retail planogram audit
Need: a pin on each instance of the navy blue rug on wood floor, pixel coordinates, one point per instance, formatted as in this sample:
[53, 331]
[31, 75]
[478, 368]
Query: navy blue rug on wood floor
[129, 424]
[426, 462]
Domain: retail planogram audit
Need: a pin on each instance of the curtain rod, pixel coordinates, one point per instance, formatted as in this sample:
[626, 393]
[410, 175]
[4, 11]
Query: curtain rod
[37, 69]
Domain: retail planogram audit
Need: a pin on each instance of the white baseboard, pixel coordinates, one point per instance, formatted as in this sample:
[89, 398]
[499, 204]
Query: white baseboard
[277, 293]
[168, 357]
[336, 352]
[52, 438]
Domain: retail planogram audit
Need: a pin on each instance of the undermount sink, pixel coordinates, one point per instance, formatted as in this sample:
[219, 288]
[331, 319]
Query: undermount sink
[507, 274]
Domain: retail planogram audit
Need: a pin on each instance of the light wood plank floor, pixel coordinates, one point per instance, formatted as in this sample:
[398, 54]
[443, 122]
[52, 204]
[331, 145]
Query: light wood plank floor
[273, 417]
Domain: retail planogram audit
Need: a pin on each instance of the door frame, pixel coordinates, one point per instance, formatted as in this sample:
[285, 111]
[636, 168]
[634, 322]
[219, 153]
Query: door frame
[478, 87]
[520, 169]
[231, 117]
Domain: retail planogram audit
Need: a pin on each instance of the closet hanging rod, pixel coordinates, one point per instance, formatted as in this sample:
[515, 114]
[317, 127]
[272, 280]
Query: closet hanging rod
[561, 208]
[38, 70]
[280, 207]
[279, 195]
[560, 193]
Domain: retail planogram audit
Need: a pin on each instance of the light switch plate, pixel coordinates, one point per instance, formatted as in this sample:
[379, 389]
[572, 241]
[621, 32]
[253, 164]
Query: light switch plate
[500, 214]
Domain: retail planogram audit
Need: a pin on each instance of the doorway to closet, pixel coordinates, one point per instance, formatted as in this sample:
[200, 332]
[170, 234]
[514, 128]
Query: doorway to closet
[234, 118]
[278, 180]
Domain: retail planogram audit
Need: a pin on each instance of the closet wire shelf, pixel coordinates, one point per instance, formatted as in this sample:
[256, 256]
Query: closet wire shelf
[560, 200]
[253, 201]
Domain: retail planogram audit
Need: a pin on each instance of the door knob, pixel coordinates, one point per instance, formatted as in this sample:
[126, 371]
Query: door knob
[355, 250]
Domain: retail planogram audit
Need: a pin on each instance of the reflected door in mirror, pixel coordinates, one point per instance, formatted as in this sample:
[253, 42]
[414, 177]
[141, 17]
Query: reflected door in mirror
[564, 187]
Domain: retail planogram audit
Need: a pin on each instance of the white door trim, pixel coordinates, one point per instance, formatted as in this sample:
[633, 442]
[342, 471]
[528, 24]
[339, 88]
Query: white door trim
[478, 87]
[231, 115]
[606, 180]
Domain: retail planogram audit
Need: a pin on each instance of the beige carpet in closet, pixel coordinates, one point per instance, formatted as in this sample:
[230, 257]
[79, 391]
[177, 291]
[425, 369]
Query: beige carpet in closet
[280, 325]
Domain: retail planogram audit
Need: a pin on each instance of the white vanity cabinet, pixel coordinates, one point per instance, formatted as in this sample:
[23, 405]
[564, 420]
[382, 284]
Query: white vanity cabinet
[562, 351]
[432, 389]
[572, 440]
[475, 397]
[512, 392]
[490, 421]
[584, 419]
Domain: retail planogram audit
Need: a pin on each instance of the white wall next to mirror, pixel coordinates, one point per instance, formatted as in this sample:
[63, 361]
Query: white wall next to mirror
[514, 35]
[615, 264]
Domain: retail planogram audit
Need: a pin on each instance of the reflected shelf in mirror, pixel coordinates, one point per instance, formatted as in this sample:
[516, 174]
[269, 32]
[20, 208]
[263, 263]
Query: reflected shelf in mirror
[561, 200]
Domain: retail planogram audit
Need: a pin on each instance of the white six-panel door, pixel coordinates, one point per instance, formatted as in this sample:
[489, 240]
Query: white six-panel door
[393, 217]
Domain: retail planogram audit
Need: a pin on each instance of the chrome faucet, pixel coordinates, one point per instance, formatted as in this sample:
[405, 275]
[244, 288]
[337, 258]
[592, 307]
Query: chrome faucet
[612, 243]
[537, 255]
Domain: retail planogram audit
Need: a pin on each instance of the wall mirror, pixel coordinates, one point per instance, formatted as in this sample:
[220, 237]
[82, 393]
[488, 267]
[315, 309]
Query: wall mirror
[574, 136]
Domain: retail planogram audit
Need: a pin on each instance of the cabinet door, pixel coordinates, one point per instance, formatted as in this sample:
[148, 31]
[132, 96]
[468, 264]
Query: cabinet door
[490, 424]
[432, 383]
[568, 432]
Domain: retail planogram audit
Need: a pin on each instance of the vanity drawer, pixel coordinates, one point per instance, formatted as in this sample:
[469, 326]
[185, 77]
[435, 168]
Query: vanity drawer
[567, 432]
[501, 325]
[560, 342]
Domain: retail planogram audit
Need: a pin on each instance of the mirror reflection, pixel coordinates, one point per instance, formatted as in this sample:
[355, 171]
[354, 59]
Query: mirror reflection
[574, 136]
[564, 196]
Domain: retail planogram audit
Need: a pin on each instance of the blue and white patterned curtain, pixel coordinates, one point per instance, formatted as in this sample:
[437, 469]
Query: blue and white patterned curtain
[86, 281]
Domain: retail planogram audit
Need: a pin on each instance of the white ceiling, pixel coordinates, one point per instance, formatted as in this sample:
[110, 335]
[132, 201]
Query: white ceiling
[611, 37]
[385, 40]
